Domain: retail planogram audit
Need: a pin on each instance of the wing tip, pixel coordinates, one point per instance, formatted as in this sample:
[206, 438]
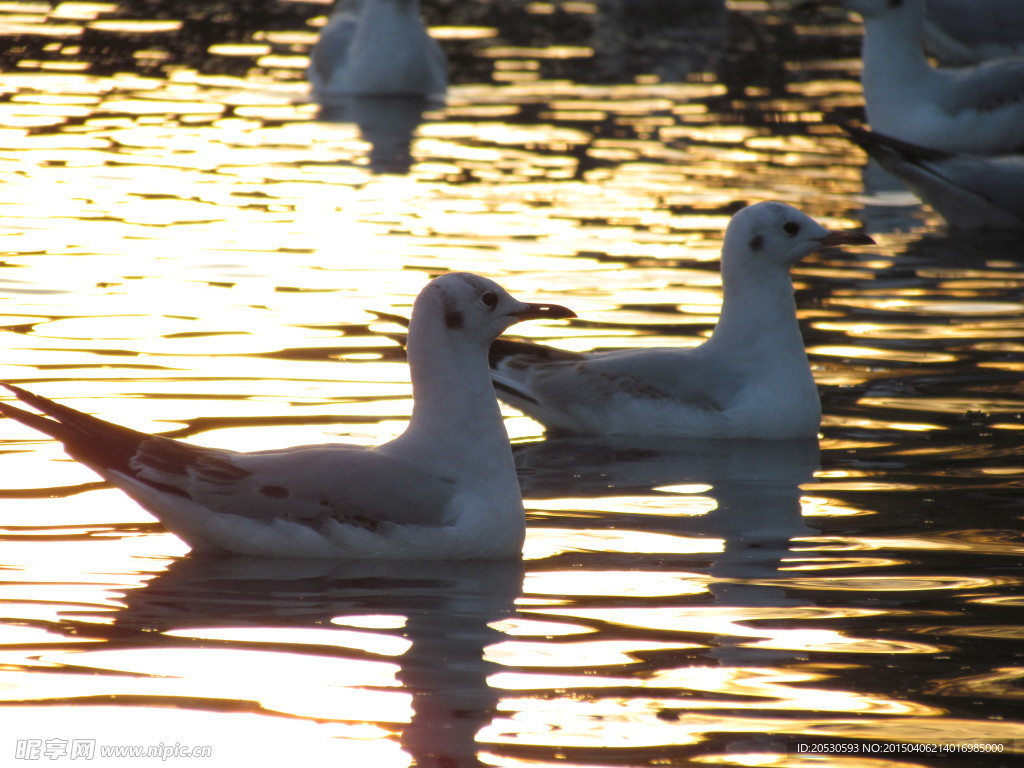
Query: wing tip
[99, 444]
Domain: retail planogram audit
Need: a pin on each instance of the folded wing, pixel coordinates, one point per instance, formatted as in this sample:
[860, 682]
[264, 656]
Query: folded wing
[308, 484]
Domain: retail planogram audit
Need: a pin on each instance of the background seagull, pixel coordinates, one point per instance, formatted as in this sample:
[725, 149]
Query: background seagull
[445, 488]
[960, 32]
[377, 48]
[978, 109]
[751, 379]
[968, 191]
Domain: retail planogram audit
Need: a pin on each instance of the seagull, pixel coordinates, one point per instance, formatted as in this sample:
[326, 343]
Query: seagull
[977, 109]
[750, 379]
[960, 32]
[377, 48]
[970, 192]
[446, 488]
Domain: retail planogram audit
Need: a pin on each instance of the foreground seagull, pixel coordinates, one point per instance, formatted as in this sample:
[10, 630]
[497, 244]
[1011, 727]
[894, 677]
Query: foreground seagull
[751, 379]
[970, 192]
[445, 488]
[377, 48]
[977, 109]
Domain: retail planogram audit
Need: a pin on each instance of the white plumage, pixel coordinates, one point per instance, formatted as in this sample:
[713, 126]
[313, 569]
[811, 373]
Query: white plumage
[445, 488]
[976, 109]
[970, 192]
[960, 32]
[751, 379]
[377, 48]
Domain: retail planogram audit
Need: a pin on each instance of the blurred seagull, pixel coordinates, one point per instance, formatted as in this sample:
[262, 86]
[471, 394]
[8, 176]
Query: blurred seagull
[960, 32]
[751, 379]
[968, 191]
[977, 110]
[377, 48]
[446, 488]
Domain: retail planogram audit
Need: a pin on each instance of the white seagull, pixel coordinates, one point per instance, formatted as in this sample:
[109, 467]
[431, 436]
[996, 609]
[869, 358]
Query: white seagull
[377, 48]
[750, 379]
[446, 488]
[977, 109]
[970, 192]
[960, 32]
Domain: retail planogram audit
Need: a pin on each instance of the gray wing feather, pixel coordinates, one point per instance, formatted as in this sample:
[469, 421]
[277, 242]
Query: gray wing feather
[989, 86]
[595, 379]
[333, 44]
[309, 484]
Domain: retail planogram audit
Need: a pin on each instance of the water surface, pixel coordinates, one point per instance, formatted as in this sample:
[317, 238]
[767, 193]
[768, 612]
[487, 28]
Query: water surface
[187, 249]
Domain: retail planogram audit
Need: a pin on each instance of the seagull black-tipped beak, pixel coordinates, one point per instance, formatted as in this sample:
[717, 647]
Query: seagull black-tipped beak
[845, 237]
[537, 311]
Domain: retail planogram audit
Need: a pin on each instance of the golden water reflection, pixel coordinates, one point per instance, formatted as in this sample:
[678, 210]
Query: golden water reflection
[188, 250]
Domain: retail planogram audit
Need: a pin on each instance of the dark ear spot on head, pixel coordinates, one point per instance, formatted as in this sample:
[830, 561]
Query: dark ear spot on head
[274, 491]
[453, 318]
[756, 242]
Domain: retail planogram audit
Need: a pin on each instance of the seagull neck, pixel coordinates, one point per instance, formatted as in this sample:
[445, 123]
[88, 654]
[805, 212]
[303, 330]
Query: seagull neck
[758, 313]
[387, 20]
[392, 53]
[893, 50]
[455, 411]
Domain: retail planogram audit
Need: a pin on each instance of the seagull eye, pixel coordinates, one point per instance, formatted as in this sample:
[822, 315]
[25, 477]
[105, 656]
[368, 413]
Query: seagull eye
[790, 227]
[490, 299]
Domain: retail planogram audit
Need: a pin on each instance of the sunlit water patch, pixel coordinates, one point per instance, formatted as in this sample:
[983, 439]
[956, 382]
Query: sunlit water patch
[187, 249]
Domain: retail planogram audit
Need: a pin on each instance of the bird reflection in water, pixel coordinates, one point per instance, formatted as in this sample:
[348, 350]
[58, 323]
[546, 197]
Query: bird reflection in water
[387, 123]
[375, 66]
[447, 610]
[756, 485]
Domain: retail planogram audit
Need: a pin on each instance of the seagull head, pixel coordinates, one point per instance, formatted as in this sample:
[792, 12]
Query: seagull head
[777, 235]
[866, 8]
[465, 303]
[873, 8]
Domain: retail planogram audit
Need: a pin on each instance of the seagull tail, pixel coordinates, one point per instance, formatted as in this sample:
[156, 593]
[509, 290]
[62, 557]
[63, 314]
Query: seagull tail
[507, 390]
[507, 351]
[98, 444]
[511, 362]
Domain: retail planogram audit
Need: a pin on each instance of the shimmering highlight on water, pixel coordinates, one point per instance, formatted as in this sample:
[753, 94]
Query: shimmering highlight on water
[188, 250]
